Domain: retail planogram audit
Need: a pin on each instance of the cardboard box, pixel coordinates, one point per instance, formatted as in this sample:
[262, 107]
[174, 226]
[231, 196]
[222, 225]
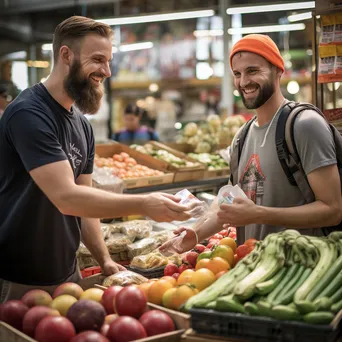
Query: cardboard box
[107, 150]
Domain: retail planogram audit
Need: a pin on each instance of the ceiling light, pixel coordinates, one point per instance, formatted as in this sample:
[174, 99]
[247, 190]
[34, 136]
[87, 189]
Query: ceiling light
[272, 8]
[47, 47]
[299, 17]
[208, 33]
[178, 125]
[293, 87]
[267, 28]
[136, 46]
[157, 17]
[154, 87]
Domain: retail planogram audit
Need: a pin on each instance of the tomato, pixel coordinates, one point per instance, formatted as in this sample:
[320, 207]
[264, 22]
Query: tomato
[156, 322]
[224, 252]
[215, 265]
[145, 287]
[182, 294]
[131, 294]
[202, 278]
[236, 259]
[242, 251]
[175, 275]
[204, 255]
[170, 269]
[185, 277]
[167, 298]
[227, 241]
[184, 267]
[224, 232]
[212, 243]
[220, 274]
[250, 242]
[191, 258]
[126, 329]
[157, 290]
[202, 264]
[199, 248]
[170, 279]
[218, 236]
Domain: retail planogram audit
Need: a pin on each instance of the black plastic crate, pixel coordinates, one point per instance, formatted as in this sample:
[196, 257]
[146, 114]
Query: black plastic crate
[151, 273]
[253, 328]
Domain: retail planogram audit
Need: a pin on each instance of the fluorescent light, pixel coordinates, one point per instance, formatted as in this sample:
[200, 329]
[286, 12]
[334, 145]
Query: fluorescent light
[272, 8]
[136, 46]
[299, 17]
[208, 33]
[268, 28]
[157, 17]
[47, 47]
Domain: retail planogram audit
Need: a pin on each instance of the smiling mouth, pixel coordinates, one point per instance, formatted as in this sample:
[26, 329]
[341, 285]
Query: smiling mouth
[97, 80]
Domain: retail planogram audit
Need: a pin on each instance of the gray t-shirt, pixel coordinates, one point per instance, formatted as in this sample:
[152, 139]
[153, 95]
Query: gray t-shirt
[262, 177]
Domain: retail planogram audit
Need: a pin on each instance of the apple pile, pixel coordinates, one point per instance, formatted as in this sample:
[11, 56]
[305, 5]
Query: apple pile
[117, 314]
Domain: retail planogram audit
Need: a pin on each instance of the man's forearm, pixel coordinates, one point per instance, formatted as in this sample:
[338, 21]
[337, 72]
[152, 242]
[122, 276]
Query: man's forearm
[84, 201]
[313, 215]
[93, 239]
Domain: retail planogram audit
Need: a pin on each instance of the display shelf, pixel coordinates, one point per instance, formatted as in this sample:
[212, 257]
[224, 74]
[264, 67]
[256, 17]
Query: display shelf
[195, 186]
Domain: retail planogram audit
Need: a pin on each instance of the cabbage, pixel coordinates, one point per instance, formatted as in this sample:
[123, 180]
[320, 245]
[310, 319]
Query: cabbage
[190, 129]
[203, 147]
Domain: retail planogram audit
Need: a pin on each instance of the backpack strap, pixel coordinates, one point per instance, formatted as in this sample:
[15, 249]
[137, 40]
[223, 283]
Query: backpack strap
[236, 151]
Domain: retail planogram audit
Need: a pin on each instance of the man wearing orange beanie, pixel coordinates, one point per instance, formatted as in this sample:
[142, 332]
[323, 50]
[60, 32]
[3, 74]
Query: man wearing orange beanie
[273, 203]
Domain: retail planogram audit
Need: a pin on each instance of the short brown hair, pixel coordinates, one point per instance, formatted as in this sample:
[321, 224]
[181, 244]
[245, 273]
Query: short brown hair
[69, 32]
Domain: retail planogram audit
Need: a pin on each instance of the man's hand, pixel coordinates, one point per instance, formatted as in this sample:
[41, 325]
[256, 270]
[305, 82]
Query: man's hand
[179, 244]
[241, 213]
[110, 267]
[164, 208]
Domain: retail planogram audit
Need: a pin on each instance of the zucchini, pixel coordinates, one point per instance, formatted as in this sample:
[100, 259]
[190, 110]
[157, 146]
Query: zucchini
[326, 280]
[270, 262]
[288, 297]
[289, 286]
[285, 313]
[264, 308]
[323, 304]
[336, 307]
[305, 307]
[337, 295]
[227, 303]
[289, 274]
[327, 253]
[251, 308]
[269, 285]
[211, 305]
[319, 317]
[333, 286]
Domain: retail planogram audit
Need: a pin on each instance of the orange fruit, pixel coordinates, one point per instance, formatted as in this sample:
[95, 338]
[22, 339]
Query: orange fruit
[170, 279]
[145, 287]
[224, 252]
[202, 278]
[168, 298]
[216, 265]
[185, 277]
[220, 274]
[182, 294]
[156, 291]
[202, 264]
[227, 241]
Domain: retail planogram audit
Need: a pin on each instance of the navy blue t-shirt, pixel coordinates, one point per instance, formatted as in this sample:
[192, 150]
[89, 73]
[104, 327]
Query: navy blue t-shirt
[37, 242]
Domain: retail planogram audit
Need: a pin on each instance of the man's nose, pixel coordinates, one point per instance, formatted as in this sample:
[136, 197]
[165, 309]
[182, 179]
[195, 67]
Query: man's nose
[244, 80]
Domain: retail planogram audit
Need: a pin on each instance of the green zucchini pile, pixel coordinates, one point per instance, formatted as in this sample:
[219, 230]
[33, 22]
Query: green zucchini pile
[288, 276]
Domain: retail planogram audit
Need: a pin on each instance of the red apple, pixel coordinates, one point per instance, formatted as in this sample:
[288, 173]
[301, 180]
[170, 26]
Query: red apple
[36, 297]
[108, 298]
[54, 329]
[71, 289]
[126, 329]
[13, 312]
[156, 322]
[89, 336]
[34, 316]
[104, 329]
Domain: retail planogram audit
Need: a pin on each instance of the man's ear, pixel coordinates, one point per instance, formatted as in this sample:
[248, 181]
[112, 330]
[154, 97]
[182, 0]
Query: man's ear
[66, 55]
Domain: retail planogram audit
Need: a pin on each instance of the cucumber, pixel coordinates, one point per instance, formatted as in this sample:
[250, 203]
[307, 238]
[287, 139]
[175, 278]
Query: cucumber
[333, 286]
[326, 280]
[289, 286]
[323, 304]
[319, 317]
[251, 308]
[336, 307]
[337, 295]
[264, 308]
[211, 305]
[285, 313]
[269, 285]
[288, 297]
[289, 274]
[227, 303]
[305, 307]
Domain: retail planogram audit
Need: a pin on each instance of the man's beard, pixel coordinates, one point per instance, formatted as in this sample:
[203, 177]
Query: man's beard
[264, 94]
[86, 95]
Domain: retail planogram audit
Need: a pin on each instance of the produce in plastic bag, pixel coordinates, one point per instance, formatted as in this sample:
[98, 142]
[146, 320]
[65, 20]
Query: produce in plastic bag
[161, 237]
[142, 228]
[85, 261]
[117, 243]
[142, 247]
[104, 179]
[106, 230]
[148, 261]
[124, 278]
[83, 250]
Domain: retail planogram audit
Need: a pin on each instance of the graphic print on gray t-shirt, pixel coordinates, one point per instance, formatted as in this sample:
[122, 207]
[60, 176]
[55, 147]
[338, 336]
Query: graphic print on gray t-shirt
[260, 173]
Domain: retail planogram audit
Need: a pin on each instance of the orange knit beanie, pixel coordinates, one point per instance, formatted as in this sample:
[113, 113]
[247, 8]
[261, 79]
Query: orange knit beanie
[262, 45]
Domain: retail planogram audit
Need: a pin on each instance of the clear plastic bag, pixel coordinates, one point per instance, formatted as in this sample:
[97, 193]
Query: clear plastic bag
[117, 243]
[104, 179]
[197, 208]
[142, 247]
[228, 193]
[124, 278]
[148, 261]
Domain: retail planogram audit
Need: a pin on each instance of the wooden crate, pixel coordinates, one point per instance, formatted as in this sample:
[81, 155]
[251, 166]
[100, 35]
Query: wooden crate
[107, 150]
[10, 334]
[182, 174]
[192, 336]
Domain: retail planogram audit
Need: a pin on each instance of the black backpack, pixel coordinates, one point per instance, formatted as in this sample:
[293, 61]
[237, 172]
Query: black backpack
[287, 151]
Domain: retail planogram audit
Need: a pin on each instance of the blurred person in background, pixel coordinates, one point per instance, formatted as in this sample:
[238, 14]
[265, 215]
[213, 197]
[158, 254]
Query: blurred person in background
[134, 133]
[47, 201]
[6, 79]
[4, 99]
